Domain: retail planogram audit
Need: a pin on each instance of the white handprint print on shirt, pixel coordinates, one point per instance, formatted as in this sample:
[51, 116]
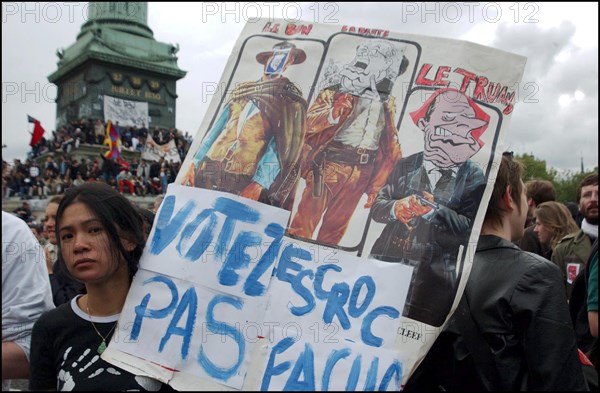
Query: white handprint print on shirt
[65, 378]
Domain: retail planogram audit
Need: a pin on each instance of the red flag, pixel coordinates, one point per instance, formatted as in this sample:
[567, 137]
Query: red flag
[38, 131]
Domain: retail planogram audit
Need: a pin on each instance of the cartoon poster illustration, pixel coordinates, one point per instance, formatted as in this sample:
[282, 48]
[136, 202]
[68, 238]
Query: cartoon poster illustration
[379, 151]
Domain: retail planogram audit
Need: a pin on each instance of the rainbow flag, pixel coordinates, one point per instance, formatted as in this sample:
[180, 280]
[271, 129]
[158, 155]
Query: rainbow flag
[113, 140]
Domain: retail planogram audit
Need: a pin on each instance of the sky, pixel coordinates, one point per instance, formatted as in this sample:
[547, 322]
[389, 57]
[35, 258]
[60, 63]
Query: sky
[555, 117]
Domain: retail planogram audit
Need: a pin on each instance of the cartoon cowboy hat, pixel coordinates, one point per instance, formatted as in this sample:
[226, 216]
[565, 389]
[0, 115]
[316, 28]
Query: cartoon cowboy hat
[298, 54]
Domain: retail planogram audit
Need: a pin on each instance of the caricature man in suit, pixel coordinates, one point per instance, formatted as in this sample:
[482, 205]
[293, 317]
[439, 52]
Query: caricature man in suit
[430, 201]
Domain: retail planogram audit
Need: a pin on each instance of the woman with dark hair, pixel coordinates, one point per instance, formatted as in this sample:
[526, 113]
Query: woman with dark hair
[148, 219]
[100, 240]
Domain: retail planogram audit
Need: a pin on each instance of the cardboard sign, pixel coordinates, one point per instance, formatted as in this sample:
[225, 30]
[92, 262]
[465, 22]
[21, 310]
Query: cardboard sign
[325, 218]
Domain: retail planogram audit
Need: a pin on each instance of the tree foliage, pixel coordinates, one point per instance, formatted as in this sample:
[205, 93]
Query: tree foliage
[565, 183]
[566, 186]
[535, 169]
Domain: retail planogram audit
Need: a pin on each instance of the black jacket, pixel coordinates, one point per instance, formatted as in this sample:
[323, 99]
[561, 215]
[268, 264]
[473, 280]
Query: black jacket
[518, 302]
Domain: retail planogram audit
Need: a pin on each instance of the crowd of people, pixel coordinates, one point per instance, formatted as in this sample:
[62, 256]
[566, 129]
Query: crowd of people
[93, 132]
[528, 318]
[28, 180]
[514, 329]
[61, 171]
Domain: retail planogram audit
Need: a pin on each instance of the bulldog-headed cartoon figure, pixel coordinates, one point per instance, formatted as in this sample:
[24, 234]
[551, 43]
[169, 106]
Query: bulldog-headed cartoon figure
[351, 141]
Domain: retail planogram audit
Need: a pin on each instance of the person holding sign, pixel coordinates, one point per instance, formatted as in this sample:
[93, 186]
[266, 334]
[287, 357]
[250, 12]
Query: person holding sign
[100, 240]
[430, 202]
[255, 144]
[351, 142]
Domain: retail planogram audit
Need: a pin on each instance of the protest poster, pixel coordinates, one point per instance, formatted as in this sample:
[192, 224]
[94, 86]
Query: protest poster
[381, 149]
[126, 113]
[154, 152]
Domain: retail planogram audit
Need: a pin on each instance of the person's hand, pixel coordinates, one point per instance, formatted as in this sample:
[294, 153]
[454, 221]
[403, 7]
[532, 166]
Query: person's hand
[407, 208]
[252, 191]
[370, 200]
[402, 210]
[342, 105]
[428, 196]
[417, 207]
[188, 179]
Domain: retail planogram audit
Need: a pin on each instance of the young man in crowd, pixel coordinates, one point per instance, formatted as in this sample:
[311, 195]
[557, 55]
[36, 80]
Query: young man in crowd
[512, 329]
[572, 252]
[538, 192]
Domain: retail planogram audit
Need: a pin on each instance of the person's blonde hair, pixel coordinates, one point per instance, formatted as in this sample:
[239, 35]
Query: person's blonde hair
[557, 218]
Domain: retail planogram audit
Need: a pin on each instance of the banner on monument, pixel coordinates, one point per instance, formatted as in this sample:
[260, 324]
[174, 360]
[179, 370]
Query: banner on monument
[127, 113]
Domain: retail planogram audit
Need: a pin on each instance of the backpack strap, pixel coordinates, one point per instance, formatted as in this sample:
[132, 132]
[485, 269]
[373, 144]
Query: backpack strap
[477, 346]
